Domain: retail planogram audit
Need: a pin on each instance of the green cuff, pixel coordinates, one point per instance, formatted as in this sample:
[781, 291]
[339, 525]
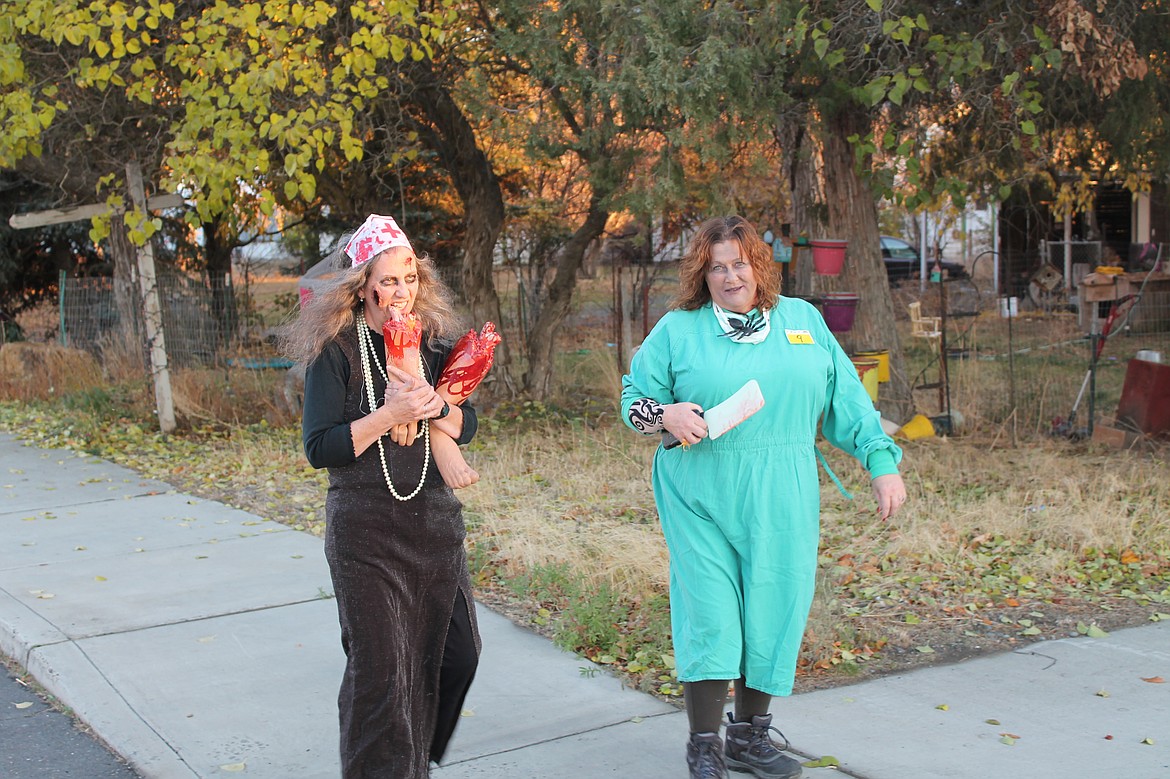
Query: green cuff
[881, 463]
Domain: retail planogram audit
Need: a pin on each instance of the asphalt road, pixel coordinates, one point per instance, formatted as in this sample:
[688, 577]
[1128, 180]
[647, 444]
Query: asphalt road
[39, 742]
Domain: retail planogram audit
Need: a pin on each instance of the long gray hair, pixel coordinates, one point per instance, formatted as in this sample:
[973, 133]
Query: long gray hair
[335, 307]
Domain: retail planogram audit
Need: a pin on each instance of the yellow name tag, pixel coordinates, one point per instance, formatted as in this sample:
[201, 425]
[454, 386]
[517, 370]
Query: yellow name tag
[799, 336]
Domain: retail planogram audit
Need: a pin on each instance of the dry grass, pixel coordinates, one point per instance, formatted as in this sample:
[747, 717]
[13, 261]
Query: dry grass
[1071, 500]
[571, 497]
[123, 359]
[45, 371]
[231, 397]
[1003, 515]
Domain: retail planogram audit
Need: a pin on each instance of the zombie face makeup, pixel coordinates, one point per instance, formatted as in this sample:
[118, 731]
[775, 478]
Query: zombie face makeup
[391, 287]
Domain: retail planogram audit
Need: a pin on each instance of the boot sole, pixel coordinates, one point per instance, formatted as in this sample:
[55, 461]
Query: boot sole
[745, 768]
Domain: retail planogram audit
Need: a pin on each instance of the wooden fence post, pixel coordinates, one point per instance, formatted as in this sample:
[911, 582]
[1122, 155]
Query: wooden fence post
[152, 311]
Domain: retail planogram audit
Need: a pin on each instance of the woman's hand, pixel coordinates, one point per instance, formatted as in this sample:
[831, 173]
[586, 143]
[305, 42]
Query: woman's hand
[404, 434]
[408, 399]
[890, 493]
[682, 420]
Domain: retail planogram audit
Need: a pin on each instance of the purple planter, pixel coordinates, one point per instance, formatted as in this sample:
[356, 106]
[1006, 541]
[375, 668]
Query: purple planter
[839, 309]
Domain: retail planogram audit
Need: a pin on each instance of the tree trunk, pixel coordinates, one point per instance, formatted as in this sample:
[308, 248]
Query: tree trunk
[542, 339]
[126, 294]
[453, 139]
[830, 199]
[217, 255]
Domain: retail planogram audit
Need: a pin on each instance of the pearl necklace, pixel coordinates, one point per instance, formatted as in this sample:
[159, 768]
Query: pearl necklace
[366, 347]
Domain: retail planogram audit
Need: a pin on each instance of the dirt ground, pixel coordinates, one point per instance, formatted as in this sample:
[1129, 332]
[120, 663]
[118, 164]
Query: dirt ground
[951, 641]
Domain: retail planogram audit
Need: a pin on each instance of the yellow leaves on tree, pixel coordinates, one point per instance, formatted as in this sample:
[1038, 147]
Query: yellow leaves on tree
[257, 95]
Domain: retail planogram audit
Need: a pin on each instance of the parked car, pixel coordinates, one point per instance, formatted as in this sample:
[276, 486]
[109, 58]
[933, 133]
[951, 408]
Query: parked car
[902, 261]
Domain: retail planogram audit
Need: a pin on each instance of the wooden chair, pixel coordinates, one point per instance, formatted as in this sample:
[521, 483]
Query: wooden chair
[929, 327]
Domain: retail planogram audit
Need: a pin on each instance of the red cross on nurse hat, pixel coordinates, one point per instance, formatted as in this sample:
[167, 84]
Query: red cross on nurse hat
[376, 235]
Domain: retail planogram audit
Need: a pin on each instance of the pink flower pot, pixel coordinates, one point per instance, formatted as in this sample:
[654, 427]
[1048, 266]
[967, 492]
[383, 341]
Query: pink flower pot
[828, 255]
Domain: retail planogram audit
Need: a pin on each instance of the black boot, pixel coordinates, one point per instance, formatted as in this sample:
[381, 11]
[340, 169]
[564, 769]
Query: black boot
[749, 748]
[705, 756]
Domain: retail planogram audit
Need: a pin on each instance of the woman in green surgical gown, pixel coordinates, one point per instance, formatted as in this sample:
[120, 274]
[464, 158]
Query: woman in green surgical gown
[741, 514]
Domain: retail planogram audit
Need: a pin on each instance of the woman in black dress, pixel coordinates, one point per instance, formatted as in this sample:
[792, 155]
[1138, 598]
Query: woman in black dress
[394, 531]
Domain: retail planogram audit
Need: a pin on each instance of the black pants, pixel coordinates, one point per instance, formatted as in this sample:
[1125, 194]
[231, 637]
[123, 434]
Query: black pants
[458, 670]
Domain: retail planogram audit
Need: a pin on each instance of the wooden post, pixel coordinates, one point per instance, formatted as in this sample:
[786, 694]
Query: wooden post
[627, 303]
[56, 216]
[152, 311]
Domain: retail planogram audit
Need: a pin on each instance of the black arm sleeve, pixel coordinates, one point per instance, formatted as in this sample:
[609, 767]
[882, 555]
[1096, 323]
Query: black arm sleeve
[324, 428]
[470, 423]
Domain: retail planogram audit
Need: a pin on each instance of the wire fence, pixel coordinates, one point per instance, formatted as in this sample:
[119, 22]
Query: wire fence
[1033, 368]
[204, 322]
[1000, 362]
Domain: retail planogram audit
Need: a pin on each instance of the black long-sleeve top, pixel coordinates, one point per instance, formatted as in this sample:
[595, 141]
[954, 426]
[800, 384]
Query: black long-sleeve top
[325, 426]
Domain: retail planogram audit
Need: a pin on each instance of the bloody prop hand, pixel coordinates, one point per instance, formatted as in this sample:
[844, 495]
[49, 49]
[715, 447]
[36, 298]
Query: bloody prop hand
[403, 334]
[469, 362]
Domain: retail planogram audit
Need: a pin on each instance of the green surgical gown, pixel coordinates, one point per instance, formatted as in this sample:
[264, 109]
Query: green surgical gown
[741, 514]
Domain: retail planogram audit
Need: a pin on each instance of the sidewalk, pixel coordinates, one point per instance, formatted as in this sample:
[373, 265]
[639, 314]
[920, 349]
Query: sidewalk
[202, 641]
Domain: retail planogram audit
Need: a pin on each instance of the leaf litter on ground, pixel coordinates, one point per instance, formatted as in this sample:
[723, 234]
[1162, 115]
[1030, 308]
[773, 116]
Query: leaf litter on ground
[964, 570]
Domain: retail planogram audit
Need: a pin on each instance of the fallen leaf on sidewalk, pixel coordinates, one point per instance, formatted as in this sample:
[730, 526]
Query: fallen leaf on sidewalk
[828, 761]
[1092, 631]
[1148, 741]
[1154, 679]
[1007, 740]
[1102, 694]
[234, 768]
[943, 707]
[23, 704]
